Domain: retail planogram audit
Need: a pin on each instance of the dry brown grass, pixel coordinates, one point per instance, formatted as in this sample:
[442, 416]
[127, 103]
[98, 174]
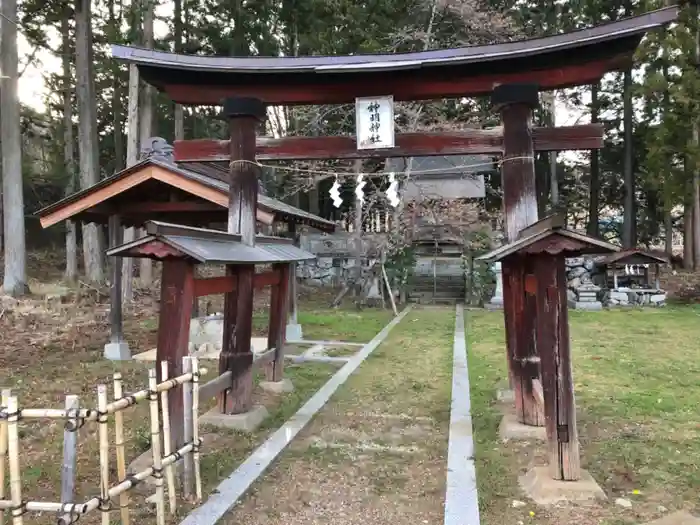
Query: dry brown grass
[53, 347]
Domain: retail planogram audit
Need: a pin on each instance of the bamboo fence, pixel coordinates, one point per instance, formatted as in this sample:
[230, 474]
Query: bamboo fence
[164, 458]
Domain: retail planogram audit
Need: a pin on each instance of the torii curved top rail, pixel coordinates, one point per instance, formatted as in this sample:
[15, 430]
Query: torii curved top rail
[555, 62]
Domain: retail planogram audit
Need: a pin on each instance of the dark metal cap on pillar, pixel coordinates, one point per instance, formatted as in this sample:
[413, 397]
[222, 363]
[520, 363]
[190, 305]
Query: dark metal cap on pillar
[509, 94]
[244, 107]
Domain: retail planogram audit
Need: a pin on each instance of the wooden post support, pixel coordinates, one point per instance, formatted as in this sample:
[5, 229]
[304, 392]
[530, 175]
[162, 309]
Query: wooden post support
[279, 304]
[115, 295]
[117, 349]
[244, 114]
[293, 330]
[557, 381]
[515, 103]
[176, 296]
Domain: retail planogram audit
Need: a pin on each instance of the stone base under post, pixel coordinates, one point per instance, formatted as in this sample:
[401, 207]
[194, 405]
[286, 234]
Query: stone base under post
[118, 351]
[539, 486]
[293, 333]
[284, 386]
[511, 429]
[245, 422]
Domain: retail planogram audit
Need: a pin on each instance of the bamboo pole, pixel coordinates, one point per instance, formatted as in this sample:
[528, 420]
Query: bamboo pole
[94, 503]
[103, 433]
[165, 410]
[89, 414]
[13, 452]
[119, 446]
[155, 447]
[70, 451]
[4, 396]
[195, 427]
[188, 467]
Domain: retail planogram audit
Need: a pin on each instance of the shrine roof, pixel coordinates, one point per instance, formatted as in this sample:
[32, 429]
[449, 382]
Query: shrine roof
[631, 256]
[441, 73]
[550, 236]
[91, 204]
[205, 246]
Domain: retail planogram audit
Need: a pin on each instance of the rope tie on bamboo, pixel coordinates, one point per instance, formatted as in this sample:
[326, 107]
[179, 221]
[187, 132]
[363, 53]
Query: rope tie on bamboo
[73, 420]
[102, 416]
[19, 510]
[131, 400]
[157, 473]
[71, 510]
[8, 416]
[196, 445]
[105, 505]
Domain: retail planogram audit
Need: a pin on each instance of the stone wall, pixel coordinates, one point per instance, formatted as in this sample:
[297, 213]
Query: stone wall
[584, 274]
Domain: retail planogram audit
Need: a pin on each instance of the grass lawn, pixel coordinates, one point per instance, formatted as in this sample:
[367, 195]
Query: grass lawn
[48, 350]
[376, 453]
[637, 380]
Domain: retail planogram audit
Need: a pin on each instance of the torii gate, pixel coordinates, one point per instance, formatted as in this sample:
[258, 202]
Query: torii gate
[512, 73]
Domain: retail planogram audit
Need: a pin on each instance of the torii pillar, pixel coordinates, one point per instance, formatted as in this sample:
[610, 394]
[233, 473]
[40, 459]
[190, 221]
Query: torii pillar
[515, 103]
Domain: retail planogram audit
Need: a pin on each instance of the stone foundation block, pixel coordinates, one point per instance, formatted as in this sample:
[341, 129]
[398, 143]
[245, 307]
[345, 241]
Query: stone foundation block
[539, 486]
[278, 387]
[513, 430]
[117, 351]
[246, 422]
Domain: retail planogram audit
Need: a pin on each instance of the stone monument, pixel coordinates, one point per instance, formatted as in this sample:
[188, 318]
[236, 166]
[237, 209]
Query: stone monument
[496, 301]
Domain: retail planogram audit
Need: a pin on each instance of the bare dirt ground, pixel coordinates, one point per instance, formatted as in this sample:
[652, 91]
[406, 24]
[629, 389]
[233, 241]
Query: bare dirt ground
[377, 452]
[51, 344]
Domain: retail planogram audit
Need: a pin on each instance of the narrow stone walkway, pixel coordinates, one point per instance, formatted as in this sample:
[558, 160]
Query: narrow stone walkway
[461, 501]
[377, 452]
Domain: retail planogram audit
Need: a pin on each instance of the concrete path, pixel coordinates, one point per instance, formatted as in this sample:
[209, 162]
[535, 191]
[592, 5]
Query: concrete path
[461, 501]
[227, 494]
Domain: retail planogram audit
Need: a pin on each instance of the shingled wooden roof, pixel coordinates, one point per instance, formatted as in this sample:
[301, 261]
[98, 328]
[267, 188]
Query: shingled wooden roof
[155, 189]
[553, 62]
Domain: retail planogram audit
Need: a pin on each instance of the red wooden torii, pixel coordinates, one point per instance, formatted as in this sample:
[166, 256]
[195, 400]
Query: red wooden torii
[512, 73]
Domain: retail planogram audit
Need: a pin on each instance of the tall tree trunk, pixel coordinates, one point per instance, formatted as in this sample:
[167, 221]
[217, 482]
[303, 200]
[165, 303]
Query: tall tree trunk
[688, 261]
[15, 280]
[115, 21]
[132, 157]
[69, 147]
[628, 227]
[146, 121]
[668, 230]
[594, 189]
[179, 113]
[553, 179]
[696, 167]
[87, 133]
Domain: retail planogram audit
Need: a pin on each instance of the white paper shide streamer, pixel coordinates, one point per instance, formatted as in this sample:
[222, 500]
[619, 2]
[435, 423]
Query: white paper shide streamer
[358, 190]
[391, 192]
[335, 194]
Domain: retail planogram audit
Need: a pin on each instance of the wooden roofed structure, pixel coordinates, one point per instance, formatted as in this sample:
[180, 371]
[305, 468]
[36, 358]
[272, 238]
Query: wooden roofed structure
[158, 188]
[512, 73]
[534, 278]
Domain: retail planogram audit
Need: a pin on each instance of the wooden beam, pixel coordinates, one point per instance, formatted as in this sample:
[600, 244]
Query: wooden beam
[515, 103]
[402, 85]
[557, 383]
[215, 387]
[115, 293]
[279, 306]
[145, 207]
[228, 283]
[467, 142]
[244, 115]
[557, 220]
[176, 297]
